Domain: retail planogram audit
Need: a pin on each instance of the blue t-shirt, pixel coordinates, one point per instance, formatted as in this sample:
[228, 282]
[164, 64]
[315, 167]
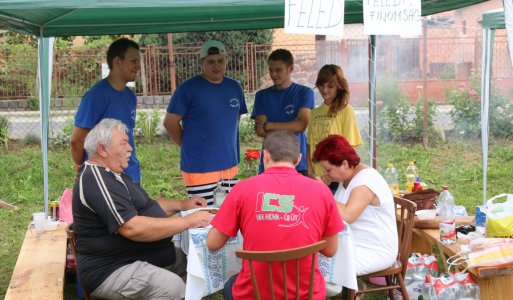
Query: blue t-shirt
[210, 121]
[283, 106]
[103, 101]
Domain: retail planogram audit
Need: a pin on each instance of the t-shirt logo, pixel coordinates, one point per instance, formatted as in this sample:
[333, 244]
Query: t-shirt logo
[280, 209]
[235, 103]
[289, 109]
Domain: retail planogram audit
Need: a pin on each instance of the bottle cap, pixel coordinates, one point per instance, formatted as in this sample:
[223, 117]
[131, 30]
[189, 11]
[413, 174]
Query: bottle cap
[417, 179]
[390, 165]
[445, 188]
[411, 163]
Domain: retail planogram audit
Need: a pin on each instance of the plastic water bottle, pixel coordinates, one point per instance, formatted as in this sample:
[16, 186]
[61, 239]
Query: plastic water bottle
[392, 178]
[411, 174]
[219, 195]
[446, 215]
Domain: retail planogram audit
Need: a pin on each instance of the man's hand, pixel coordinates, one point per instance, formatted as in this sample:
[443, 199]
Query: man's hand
[259, 129]
[194, 202]
[199, 219]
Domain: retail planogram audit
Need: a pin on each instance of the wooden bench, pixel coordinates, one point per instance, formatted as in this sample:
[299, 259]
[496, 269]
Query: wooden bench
[494, 283]
[39, 270]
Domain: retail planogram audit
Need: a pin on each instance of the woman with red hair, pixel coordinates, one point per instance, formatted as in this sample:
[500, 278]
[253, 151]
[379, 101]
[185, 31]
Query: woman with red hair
[364, 201]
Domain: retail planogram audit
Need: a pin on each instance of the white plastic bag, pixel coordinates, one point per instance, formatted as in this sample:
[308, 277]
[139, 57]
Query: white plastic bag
[499, 217]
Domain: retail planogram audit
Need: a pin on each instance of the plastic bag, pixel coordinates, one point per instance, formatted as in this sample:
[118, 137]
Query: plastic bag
[65, 213]
[489, 252]
[499, 217]
[419, 265]
[450, 286]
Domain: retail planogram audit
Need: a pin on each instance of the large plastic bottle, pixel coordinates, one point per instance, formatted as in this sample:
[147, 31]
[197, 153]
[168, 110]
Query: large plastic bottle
[446, 215]
[392, 178]
[219, 195]
[411, 174]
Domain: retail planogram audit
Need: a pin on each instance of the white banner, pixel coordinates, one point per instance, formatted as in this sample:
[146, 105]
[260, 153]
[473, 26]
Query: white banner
[392, 17]
[323, 17]
[508, 18]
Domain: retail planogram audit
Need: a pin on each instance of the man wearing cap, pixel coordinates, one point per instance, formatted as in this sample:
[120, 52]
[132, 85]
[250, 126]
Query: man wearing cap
[203, 119]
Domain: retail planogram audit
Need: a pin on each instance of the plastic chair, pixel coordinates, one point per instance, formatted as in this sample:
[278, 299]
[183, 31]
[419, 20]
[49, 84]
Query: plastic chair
[394, 275]
[72, 238]
[282, 256]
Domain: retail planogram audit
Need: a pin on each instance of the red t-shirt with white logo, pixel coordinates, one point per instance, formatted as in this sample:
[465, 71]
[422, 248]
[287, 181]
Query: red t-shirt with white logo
[278, 209]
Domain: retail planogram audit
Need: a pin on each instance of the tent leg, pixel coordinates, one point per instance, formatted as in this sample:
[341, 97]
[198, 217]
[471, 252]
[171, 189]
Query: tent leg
[45, 64]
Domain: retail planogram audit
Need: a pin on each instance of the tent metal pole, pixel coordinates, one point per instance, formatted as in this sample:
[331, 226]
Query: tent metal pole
[488, 39]
[45, 58]
[372, 101]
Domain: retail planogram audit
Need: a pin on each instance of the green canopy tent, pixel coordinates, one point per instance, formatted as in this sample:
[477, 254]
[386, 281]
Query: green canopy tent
[492, 20]
[47, 19]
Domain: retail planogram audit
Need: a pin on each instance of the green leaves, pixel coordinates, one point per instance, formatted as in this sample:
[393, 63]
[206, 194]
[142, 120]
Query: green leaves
[147, 124]
[5, 129]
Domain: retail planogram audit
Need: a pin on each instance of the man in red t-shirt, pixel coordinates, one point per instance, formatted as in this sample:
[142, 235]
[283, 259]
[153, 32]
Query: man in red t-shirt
[278, 209]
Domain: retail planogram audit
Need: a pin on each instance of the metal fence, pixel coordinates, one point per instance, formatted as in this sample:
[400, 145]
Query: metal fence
[163, 68]
[451, 60]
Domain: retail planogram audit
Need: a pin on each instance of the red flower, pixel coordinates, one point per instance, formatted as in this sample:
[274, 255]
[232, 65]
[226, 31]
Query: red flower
[473, 94]
[252, 154]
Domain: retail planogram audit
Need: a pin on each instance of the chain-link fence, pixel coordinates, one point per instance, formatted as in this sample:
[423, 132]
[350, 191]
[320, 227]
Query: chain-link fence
[441, 65]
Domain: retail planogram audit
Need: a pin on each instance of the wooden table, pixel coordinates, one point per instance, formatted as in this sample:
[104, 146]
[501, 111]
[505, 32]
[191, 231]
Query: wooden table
[39, 270]
[494, 283]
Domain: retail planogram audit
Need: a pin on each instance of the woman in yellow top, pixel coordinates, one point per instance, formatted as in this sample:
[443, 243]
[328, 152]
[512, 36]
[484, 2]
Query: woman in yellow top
[334, 116]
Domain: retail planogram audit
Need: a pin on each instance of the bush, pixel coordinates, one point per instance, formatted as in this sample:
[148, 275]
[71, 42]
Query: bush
[63, 138]
[500, 115]
[19, 69]
[31, 139]
[247, 130]
[398, 120]
[396, 123]
[418, 126]
[466, 111]
[247, 125]
[5, 130]
[33, 103]
[147, 125]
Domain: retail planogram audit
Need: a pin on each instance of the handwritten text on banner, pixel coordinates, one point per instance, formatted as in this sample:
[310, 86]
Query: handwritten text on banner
[392, 17]
[323, 17]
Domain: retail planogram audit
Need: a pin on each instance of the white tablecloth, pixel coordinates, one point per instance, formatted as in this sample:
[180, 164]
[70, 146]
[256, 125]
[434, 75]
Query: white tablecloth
[339, 270]
[207, 271]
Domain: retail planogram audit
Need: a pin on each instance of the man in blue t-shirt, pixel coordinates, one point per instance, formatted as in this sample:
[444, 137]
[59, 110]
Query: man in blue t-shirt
[285, 105]
[110, 98]
[203, 119]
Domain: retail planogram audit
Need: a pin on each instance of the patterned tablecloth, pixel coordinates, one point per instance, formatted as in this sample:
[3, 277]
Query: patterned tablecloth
[207, 271]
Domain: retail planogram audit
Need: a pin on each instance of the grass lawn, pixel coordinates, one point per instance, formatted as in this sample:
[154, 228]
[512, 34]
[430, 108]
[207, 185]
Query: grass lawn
[457, 164]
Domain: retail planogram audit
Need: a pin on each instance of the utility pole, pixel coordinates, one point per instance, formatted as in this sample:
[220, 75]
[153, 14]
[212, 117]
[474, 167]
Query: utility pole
[172, 70]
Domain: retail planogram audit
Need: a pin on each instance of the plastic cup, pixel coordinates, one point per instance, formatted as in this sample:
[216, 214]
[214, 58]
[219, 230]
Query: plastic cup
[39, 221]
